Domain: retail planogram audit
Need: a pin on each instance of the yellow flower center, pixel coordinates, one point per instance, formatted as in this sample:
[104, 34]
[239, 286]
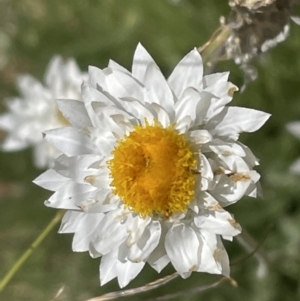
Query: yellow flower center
[152, 171]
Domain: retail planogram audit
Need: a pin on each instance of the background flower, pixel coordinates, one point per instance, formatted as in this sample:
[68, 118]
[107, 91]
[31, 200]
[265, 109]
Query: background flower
[151, 163]
[36, 111]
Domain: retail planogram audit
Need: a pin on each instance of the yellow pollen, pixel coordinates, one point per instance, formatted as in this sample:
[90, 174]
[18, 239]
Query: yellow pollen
[152, 171]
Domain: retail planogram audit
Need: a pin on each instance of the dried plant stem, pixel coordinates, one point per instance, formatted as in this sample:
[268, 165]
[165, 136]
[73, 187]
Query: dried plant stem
[133, 291]
[7, 277]
[58, 293]
[195, 290]
[253, 248]
[211, 49]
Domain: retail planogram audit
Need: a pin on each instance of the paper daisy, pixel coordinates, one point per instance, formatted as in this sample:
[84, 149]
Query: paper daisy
[36, 110]
[148, 166]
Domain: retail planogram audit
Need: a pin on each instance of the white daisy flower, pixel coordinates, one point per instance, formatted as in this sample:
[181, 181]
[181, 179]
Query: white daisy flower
[148, 166]
[36, 110]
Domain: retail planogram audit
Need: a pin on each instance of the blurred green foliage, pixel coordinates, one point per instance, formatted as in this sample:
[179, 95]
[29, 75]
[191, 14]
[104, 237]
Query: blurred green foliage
[93, 31]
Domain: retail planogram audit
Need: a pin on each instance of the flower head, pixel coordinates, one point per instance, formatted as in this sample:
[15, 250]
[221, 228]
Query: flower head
[36, 110]
[148, 166]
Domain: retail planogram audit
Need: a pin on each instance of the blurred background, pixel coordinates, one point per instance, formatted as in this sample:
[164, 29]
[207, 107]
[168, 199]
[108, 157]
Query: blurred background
[32, 31]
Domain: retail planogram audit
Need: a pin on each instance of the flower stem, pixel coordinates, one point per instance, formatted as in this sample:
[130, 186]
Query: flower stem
[133, 291]
[7, 277]
[157, 283]
[210, 51]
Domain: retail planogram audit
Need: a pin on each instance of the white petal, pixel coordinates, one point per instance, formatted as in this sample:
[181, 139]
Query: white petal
[135, 228]
[83, 234]
[12, 143]
[109, 234]
[203, 107]
[70, 222]
[221, 93]
[182, 248]
[187, 105]
[128, 271]
[218, 222]
[108, 267]
[70, 141]
[233, 121]
[226, 192]
[211, 79]
[90, 95]
[97, 78]
[183, 125]
[69, 196]
[50, 180]
[44, 154]
[32, 90]
[8, 121]
[100, 179]
[98, 203]
[254, 191]
[161, 115]
[206, 172]
[159, 258]
[220, 147]
[221, 188]
[64, 78]
[155, 81]
[113, 65]
[74, 111]
[120, 85]
[137, 109]
[146, 244]
[153, 99]
[30, 131]
[141, 60]
[82, 225]
[250, 159]
[76, 168]
[200, 136]
[234, 163]
[214, 258]
[187, 73]
[53, 69]
[104, 140]
[73, 75]
[107, 114]
[206, 252]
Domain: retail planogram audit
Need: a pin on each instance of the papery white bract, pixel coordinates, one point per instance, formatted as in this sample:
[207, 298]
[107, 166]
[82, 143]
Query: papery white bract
[36, 110]
[150, 165]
